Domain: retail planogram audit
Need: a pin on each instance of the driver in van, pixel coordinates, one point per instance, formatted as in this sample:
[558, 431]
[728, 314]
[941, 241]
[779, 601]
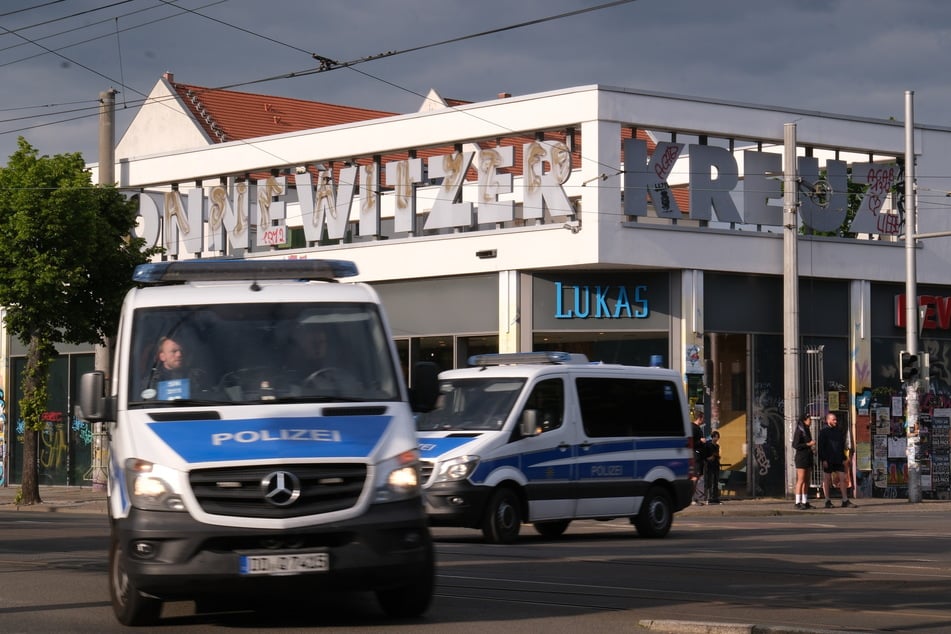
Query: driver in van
[171, 361]
[171, 365]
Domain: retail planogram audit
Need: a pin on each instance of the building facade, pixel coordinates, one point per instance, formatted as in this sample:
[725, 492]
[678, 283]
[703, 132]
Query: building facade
[633, 227]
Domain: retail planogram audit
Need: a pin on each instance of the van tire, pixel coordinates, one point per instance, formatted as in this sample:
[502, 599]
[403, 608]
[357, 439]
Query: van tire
[553, 528]
[131, 607]
[656, 514]
[413, 598]
[503, 517]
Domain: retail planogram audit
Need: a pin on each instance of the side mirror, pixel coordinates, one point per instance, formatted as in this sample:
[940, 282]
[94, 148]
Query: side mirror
[528, 423]
[94, 405]
[425, 390]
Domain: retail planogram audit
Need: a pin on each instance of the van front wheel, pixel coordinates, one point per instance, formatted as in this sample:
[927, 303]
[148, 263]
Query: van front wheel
[413, 598]
[503, 518]
[656, 514]
[131, 607]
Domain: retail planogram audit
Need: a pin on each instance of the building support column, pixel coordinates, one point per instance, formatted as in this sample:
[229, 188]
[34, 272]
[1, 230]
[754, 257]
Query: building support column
[860, 375]
[509, 314]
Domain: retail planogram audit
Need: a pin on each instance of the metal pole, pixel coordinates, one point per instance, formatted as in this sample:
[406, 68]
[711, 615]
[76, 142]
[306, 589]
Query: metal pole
[791, 409]
[911, 302]
[107, 162]
[107, 137]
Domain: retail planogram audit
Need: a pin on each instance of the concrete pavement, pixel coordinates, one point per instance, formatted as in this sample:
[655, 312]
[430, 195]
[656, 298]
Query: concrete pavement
[90, 500]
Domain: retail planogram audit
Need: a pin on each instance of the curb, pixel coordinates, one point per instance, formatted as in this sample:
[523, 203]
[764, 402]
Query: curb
[697, 627]
[81, 506]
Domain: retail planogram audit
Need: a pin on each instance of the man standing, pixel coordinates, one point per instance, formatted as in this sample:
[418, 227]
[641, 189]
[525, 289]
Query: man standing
[699, 455]
[711, 470]
[832, 458]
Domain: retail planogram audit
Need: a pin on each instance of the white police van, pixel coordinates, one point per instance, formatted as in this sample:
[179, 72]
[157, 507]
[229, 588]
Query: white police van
[547, 438]
[242, 473]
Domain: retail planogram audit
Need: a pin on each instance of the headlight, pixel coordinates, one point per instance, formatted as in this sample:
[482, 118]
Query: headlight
[458, 468]
[403, 479]
[148, 490]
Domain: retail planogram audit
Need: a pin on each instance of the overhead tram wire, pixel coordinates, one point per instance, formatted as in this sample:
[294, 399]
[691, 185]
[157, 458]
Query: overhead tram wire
[61, 18]
[92, 24]
[326, 64]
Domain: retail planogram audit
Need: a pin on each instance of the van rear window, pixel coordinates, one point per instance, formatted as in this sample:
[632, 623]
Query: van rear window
[614, 406]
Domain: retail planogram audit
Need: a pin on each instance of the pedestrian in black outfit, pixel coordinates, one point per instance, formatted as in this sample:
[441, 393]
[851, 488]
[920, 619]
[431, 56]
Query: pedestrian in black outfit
[804, 446]
[832, 457]
[712, 468]
[698, 459]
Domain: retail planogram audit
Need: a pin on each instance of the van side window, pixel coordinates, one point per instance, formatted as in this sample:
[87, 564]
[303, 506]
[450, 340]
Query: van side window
[548, 398]
[629, 407]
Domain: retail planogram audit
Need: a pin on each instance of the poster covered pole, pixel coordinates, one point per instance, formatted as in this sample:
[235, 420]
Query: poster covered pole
[791, 398]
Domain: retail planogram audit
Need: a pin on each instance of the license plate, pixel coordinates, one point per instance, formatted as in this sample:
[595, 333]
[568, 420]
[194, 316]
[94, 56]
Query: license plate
[284, 564]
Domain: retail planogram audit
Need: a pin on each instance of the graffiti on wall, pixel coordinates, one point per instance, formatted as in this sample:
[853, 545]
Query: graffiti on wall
[767, 437]
[57, 445]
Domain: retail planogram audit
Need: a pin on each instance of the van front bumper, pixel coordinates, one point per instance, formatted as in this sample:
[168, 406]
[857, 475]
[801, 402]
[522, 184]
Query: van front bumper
[172, 555]
[458, 503]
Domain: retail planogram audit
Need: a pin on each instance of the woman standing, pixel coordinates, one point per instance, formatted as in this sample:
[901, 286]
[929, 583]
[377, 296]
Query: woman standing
[804, 446]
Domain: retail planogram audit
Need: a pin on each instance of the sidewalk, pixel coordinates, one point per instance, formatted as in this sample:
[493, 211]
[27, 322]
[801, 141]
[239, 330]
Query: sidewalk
[777, 506]
[72, 499]
[86, 499]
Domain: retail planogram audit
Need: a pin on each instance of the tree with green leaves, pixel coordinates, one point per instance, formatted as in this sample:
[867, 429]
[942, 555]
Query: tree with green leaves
[66, 260]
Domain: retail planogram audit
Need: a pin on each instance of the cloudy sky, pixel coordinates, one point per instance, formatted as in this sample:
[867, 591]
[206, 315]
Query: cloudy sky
[855, 57]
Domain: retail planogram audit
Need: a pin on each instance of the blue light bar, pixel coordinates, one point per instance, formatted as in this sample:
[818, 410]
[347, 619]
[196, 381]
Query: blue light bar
[519, 358]
[251, 270]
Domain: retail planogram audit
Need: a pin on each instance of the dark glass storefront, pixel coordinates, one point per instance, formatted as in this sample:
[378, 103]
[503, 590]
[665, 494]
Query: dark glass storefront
[743, 319]
[65, 442]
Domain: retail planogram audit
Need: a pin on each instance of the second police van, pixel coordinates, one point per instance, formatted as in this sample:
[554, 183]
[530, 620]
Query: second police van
[547, 438]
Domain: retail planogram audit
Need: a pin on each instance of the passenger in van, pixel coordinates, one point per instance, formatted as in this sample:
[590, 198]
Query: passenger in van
[317, 369]
[308, 351]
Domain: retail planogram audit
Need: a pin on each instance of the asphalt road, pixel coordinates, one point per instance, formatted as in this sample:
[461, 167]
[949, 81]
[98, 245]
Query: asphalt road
[828, 570]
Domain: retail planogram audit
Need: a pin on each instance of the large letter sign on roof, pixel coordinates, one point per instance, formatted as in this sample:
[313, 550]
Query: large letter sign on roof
[881, 179]
[652, 177]
[713, 175]
[827, 215]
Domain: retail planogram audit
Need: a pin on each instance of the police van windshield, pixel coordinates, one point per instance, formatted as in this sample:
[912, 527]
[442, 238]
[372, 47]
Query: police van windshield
[472, 404]
[254, 353]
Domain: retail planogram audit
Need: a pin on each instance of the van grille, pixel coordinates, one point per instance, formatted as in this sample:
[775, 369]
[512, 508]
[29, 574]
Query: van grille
[425, 470]
[242, 491]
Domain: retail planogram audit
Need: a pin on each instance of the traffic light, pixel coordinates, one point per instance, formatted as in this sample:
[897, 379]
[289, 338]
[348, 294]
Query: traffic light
[909, 364]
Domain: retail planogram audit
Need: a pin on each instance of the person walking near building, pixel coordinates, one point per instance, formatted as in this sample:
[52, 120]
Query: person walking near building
[832, 446]
[804, 460]
[698, 459]
[711, 470]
